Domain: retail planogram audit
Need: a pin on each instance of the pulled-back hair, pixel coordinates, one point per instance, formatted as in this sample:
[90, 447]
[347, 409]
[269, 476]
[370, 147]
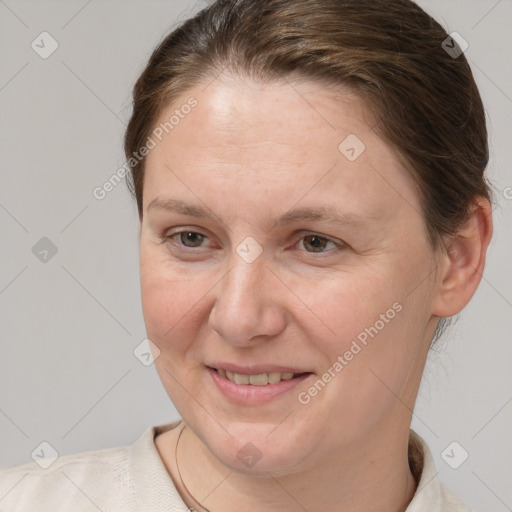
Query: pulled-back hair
[389, 52]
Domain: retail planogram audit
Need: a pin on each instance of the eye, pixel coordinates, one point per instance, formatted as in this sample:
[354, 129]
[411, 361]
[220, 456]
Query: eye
[312, 243]
[317, 243]
[186, 238]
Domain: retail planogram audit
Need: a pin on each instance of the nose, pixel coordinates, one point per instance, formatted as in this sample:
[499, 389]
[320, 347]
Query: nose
[247, 303]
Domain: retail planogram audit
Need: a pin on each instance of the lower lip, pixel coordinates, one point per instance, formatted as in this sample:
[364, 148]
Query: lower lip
[249, 394]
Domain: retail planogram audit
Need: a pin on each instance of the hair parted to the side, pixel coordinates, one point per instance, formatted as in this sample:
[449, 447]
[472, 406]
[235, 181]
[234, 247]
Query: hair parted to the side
[389, 52]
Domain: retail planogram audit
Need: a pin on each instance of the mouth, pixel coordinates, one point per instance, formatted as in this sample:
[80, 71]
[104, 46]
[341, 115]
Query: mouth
[254, 387]
[257, 379]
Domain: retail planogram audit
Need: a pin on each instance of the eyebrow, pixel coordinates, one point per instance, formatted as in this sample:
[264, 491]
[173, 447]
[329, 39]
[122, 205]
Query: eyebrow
[322, 213]
[179, 206]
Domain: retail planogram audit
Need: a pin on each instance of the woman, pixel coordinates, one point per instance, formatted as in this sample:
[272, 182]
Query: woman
[312, 206]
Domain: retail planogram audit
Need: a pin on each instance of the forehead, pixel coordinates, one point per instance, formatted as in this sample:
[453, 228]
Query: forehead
[238, 111]
[294, 137]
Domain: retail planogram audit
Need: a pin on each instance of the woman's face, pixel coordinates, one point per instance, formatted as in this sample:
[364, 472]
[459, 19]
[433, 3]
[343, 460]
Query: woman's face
[302, 250]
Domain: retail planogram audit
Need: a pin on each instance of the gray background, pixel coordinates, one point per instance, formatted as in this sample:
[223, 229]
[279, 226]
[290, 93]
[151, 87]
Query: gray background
[69, 325]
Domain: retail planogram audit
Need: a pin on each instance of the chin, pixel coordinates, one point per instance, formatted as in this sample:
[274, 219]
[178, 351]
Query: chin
[256, 448]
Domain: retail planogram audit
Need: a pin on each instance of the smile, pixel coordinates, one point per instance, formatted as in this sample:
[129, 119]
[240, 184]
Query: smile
[259, 379]
[257, 388]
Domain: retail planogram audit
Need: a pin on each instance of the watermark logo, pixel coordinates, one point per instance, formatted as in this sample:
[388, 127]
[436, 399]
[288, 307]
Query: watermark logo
[454, 455]
[249, 249]
[249, 454]
[351, 147]
[454, 45]
[44, 250]
[44, 455]
[44, 45]
[146, 352]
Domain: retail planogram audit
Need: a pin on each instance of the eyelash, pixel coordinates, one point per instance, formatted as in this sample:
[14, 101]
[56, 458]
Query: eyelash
[171, 236]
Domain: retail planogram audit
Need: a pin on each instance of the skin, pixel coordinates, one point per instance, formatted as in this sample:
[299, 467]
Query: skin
[251, 153]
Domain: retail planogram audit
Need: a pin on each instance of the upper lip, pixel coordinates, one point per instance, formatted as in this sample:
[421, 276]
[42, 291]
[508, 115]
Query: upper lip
[255, 369]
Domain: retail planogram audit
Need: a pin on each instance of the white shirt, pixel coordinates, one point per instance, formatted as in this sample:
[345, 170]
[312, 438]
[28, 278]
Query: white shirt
[134, 478]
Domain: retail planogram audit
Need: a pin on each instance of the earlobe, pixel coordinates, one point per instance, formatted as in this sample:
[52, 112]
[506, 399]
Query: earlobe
[463, 261]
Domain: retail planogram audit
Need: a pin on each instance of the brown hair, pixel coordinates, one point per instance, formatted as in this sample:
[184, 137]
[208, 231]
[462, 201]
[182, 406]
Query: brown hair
[391, 53]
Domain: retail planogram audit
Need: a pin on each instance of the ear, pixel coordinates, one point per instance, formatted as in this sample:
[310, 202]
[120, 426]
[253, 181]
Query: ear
[462, 263]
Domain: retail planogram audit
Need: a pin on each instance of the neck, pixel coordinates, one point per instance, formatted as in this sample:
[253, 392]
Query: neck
[371, 477]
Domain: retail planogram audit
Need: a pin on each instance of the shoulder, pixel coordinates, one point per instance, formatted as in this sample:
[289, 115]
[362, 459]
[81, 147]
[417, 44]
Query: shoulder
[430, 494]
[451, 503]
[79, 480]
[126, 478]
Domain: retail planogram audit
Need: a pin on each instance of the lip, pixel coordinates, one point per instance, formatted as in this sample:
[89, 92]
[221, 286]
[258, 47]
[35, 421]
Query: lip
[255, 369]
[249, 394]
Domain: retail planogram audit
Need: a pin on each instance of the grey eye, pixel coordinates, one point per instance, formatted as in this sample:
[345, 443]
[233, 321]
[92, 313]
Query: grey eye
[190, 238]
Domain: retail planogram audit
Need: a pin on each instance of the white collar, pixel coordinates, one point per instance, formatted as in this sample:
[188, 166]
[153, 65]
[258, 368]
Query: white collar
[153, 486]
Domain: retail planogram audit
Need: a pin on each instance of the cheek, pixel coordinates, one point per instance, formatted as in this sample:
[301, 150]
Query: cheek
[373, 341]
[349, 307]
[386, 298]
[171, 304]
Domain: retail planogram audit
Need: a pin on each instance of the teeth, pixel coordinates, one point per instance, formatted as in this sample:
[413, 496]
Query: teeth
[261, 379]
[274, 377]
[241, 379]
